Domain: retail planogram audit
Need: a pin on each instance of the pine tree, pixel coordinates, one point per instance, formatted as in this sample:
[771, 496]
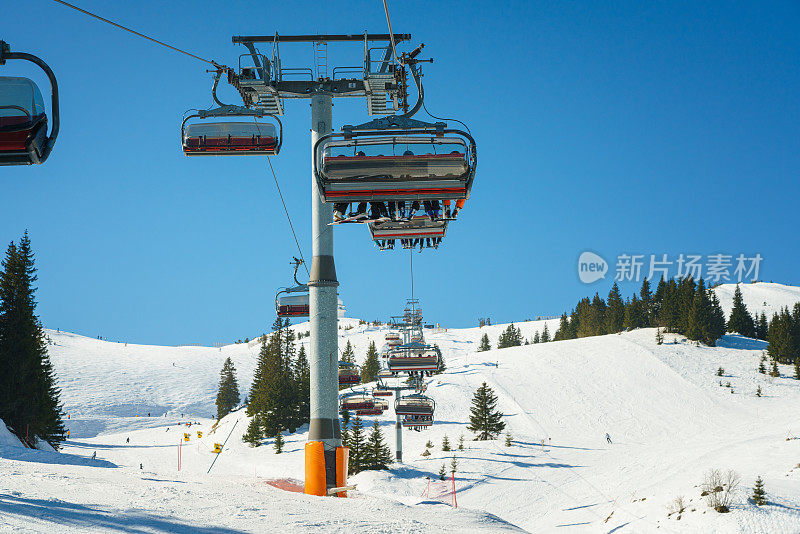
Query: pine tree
[758, 391]
[29, 397]
[740, 320]
[345, 417]
[509, 440]
[345, 435]
[536, 338]
[369, 371]
[348, 354]
[485, 420]
[775, 372]
[254, 434]
[461, 442]
[759, 495]
[762, 368]
[376, 453]
[443, 472]
[615, 311]
[511, 337]
[659, 337]
[302, 379]
[357, 446]
[445, 443]
[453, 465]
[762, 327]
[278, 443]
[646, 300]
[698, 325]
[545, 335]
[485, 344]
[562, 332]
[228, 394]
[717, 317]
[429, 444]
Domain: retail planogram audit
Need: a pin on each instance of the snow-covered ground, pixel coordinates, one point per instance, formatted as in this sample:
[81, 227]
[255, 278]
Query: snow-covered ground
[668, 417]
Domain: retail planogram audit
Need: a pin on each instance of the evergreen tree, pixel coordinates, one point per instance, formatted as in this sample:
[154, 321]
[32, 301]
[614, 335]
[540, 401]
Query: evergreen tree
[443, 472]
[453, 465]
[740, 320]
[348, 354]
[615, 311]
[445, 443]
[762, 327]
[561, 333]
[345, 434]
[369, 371]
[228, 394]
[485, 420]
[509, 439]
[253, 435]
[659, 336]
[376, 453]
[511, 337]
[345, 417]
[302, 379]
[485, 344]
[759, 495]
[699, 325]
[717, 317]
[762, 368]
[775, 372]
[758, 391]
[29, 397]
[545, 334]
[461, 442]
[646, 300]
[536, 336]
[278, 443]
[357, 446]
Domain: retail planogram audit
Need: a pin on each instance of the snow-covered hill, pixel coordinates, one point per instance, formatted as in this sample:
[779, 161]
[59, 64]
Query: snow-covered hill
[759, 297]
[663, 406]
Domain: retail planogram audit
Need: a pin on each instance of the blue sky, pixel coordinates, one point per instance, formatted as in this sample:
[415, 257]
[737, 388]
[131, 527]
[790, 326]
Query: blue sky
[639, 128]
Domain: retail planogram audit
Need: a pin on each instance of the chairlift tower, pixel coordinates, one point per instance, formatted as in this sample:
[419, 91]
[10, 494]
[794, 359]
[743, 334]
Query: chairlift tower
[264, 85]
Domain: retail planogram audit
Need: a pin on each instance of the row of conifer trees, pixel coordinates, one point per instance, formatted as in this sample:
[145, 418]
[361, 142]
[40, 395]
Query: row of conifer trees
[279, 393]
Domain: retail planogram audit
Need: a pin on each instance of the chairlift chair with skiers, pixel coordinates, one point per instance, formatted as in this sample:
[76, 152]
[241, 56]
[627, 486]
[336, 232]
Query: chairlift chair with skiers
[414, 356]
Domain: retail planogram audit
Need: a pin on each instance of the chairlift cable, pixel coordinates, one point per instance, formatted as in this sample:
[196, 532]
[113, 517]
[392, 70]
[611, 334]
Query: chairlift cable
[98, 17]
[291, 226]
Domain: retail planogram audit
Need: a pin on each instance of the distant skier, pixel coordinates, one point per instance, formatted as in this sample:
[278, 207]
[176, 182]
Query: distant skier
[127, 440]
[141, 467]
[608, 438]
[94, 455]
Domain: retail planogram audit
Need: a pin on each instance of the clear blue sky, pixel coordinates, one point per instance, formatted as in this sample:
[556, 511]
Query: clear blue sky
[643, 128]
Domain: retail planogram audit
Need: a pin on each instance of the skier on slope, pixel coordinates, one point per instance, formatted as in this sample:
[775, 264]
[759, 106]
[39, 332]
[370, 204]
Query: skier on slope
[608, 438]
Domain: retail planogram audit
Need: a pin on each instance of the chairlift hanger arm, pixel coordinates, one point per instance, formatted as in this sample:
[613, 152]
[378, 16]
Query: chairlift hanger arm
[6, 54]
[243, 39]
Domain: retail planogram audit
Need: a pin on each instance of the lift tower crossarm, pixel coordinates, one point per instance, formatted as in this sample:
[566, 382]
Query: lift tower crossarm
[241, 39]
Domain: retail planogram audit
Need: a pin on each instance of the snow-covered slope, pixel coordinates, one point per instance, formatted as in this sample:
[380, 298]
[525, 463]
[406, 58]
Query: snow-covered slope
[759, 297]
[663, 406]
